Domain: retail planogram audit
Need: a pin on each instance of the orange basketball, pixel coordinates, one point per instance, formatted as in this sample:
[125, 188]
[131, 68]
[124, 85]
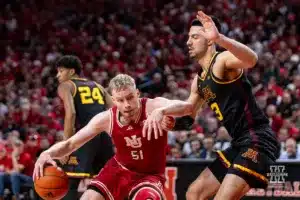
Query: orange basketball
[53, 185]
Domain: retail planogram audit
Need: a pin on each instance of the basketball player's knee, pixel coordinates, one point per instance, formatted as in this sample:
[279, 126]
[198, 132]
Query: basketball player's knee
[192, 192]
[195, 191]
[91, 195]
[147, 193]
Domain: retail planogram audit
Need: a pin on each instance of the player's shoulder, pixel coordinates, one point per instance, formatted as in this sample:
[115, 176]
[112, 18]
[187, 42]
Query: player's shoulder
[66, 86]
[221, 57]
[148, 101]
[223, 54]
[105, 115]
[155, 103]
[220, 60]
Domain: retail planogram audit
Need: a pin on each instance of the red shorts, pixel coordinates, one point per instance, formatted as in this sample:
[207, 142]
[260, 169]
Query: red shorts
[116, 182]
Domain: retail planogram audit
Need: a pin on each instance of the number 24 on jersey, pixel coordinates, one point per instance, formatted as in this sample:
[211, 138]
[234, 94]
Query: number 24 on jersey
[90, 95]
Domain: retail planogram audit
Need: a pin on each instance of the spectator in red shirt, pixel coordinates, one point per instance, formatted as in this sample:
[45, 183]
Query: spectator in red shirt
[5, 160]
[292, 129]
[32, 145]
[5, 167]
[22, 168]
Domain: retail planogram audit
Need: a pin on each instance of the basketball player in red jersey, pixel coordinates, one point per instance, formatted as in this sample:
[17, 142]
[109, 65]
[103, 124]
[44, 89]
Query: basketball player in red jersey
[137, 169]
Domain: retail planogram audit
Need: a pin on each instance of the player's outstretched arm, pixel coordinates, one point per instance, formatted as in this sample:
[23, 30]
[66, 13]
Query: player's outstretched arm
[98, 124]
[186, 122]
[160, 107]
[195, 99]
[238, 54]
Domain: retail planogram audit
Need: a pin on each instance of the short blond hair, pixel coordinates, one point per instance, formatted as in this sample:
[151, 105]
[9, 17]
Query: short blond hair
[121, 81]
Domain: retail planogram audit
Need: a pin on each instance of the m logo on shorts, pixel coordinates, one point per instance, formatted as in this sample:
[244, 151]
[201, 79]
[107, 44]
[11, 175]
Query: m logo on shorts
[73, 160]
[133, 142]
[251, 154]
[277, 174]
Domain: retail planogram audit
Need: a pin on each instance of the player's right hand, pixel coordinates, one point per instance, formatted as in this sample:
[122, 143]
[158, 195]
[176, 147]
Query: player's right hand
[64, 160]
[43, 159]
[153, 124]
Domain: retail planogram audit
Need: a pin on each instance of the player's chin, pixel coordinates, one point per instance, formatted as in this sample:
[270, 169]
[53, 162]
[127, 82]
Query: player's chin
[128, 114]
[191, 55]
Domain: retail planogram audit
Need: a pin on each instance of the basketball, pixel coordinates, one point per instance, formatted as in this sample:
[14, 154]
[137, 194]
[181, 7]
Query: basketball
[53, 185]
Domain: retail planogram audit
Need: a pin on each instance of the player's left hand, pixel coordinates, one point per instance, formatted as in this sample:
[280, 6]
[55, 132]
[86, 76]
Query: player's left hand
[153, 124]
[210, 30]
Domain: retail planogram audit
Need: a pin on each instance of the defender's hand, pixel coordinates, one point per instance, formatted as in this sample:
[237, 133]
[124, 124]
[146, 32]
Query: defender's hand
[43, 159]
[210, 30]
[168, 123]
[153, 124]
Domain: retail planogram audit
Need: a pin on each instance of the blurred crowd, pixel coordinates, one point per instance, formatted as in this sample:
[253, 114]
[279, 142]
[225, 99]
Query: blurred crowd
[146, 39]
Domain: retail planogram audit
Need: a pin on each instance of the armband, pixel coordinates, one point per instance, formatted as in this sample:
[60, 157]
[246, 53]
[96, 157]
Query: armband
[183, 123]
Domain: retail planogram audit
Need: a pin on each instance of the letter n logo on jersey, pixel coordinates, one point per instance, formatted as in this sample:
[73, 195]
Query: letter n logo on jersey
[133, 142]
[170, 184]
[251, 154]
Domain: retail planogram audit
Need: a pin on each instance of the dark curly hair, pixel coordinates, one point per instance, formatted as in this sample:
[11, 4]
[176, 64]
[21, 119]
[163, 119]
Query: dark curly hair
[70, 62]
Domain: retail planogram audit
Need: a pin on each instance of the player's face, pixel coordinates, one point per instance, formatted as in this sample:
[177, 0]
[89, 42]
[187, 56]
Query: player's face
[127, 101]
[64, 74]
[196, 43]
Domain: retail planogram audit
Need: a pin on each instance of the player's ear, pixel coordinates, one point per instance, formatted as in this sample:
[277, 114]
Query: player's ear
[138, 92]
[209, 42]
[72, 72]
[113, 99]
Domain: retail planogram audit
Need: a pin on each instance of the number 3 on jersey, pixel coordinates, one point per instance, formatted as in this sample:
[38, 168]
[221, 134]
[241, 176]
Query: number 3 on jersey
[214, 106]
[89, 96]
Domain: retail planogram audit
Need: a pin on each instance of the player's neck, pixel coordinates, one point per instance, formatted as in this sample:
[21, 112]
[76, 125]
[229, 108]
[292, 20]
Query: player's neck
[74, 76]
[205, 60]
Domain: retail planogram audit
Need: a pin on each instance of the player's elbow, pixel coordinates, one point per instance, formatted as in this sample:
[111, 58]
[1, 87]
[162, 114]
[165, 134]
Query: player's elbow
[189, 108]
[71, 113]
[251, 62]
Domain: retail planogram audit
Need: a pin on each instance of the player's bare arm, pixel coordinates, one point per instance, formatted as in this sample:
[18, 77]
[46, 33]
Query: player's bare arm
[185, 122]
[160, 107]
[65, 91]
[195, 99]
[237, 55]
[97, 125]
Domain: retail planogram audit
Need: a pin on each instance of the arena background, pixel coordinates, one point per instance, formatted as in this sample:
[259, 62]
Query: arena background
[146, 39]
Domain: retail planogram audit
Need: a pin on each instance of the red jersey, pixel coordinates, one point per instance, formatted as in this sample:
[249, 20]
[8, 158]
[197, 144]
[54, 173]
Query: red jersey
[26, 160]
[133, 151]
[5, 164]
